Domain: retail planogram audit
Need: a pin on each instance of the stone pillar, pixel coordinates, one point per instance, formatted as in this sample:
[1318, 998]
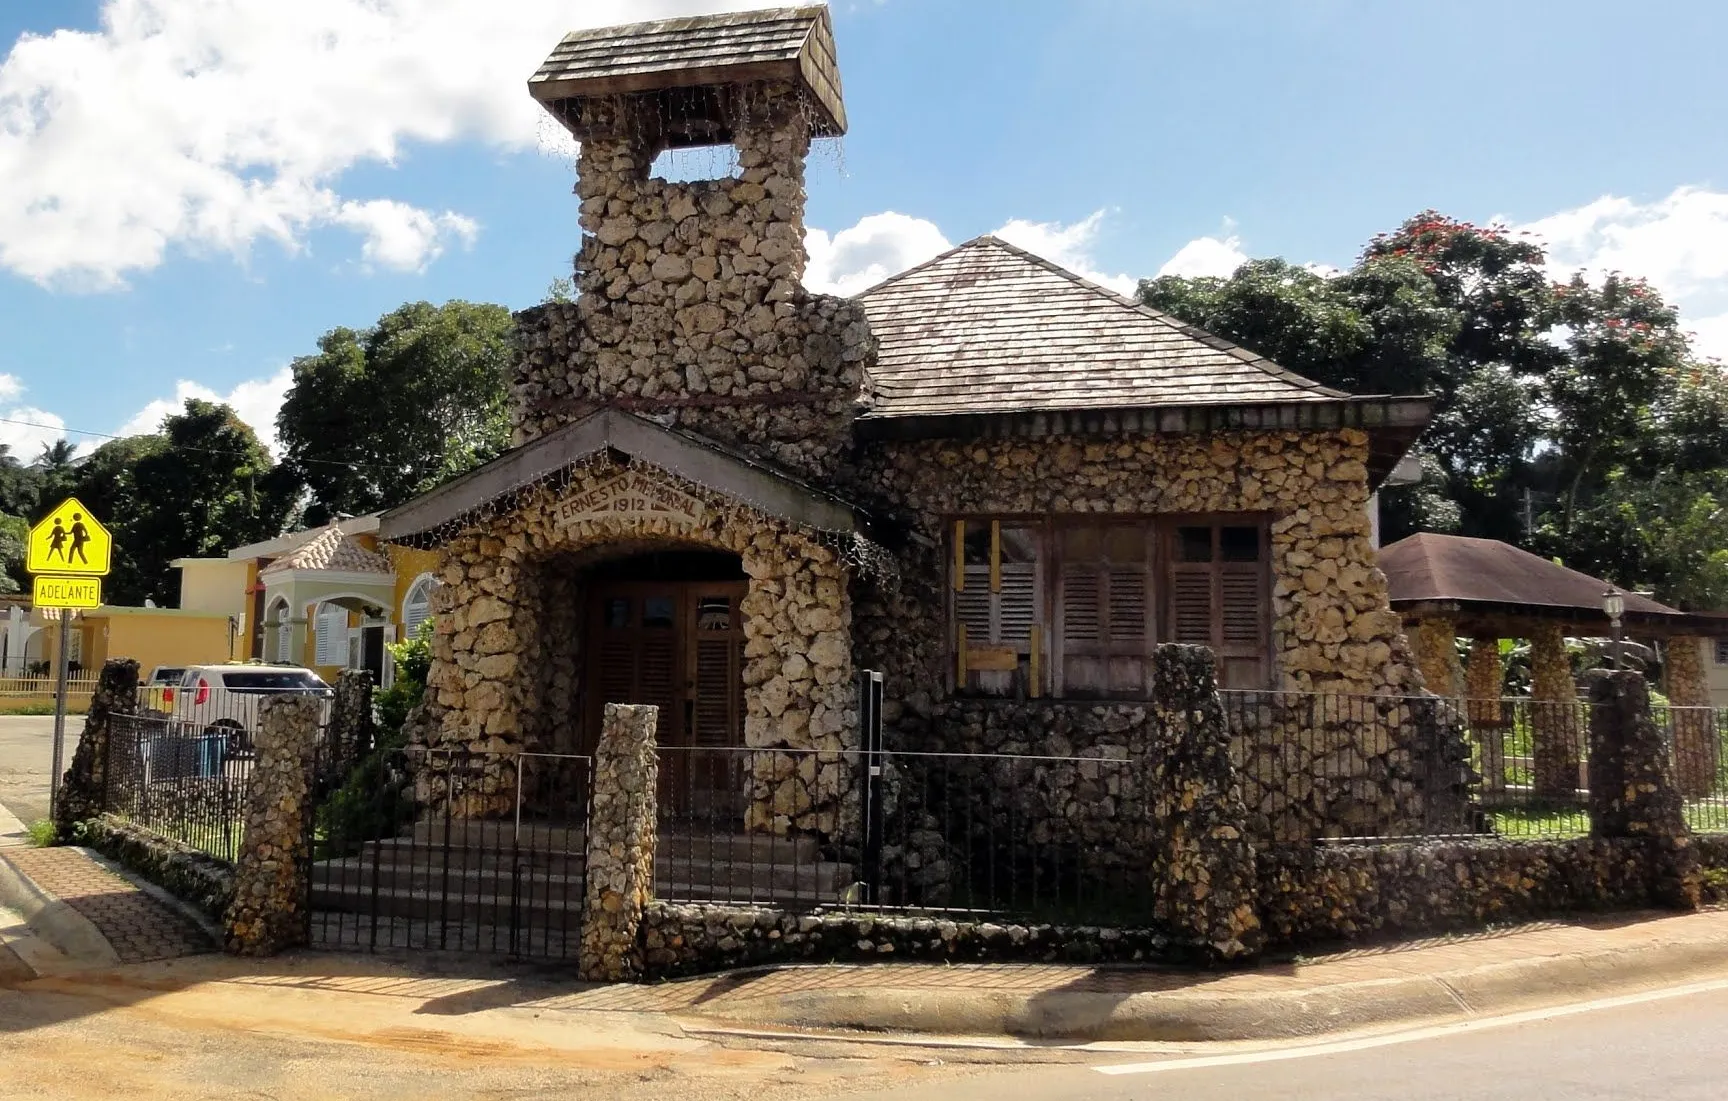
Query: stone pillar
[84, 790]
[1204, 873]
[351, 728]
[1697, 752]
[621, 835]
[1435, 646]
[1632, 788]
[271, 877]
[1485, 677]
[1556, 728]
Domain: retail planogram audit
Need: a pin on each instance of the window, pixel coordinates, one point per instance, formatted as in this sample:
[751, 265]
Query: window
[1073, 607]
[260, 682]
[331, 639]
[1722, 651]
[998, 629]
[284, 632]
[417, 605]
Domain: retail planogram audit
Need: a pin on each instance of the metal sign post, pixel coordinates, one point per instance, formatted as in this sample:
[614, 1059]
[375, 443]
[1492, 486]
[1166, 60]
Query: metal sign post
[62, 664]
[68, 552]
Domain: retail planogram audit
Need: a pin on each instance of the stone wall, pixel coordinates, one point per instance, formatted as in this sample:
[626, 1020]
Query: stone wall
[1333, 631]
[691, 939]
[187, 873]
[691, 296]
[507, 669]
[1318, 894]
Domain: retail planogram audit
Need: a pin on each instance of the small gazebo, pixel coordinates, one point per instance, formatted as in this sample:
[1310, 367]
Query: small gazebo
[1447, 586]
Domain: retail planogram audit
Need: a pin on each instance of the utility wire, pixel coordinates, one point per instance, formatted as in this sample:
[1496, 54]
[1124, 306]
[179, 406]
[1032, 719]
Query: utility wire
[183, 447]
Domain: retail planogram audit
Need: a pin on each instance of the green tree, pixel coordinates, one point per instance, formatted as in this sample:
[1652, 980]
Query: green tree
[201, 486]
[1570, 418]
[382, 414]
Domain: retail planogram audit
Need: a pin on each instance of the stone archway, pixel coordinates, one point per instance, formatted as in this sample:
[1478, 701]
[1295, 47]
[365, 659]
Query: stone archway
[509, 591]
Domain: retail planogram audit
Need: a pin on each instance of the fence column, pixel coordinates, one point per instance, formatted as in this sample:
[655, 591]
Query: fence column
[1434, 644]
[271, 878]
[83, 792]
[621, 836]
[1632, 789]
[1205, 882]
[1696, 753]
[351, 727]
[1556, 743]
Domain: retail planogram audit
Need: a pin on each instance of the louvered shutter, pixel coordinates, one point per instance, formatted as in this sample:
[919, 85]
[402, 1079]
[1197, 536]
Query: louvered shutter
[996, 605]
[1219, 597]
[1104, 620]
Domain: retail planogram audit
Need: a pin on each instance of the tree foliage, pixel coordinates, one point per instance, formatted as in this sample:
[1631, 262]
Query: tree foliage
[1570, 417]
[382, 414]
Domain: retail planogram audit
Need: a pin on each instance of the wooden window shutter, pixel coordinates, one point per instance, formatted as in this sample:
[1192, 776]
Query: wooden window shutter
[1219, 597]
[997, 606]
[1104, 611]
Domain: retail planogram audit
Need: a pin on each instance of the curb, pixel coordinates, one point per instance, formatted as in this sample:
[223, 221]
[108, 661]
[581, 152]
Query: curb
[53, 920]
[1194, 1017]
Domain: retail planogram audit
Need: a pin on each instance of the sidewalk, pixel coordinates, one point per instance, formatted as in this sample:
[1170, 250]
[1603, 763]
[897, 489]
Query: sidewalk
[72, 900]
[1363, 990]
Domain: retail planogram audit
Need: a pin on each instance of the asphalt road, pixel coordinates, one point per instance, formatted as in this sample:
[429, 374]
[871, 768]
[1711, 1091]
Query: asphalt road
[26, 756]
[1668, 1048]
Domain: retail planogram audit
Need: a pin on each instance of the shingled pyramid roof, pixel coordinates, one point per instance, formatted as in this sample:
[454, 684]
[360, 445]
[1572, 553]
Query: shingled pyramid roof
[991, 328]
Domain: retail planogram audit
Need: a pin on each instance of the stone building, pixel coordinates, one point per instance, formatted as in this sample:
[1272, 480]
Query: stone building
[996, 482]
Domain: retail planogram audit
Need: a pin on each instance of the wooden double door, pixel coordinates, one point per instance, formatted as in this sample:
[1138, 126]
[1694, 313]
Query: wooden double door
[680, 647]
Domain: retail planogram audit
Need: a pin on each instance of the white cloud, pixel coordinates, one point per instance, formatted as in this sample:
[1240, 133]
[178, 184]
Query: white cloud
[208, 125]
[879, 246]
[1069, 245]
[1218, 257]
[256, 401]
[1679, 243]
[403, 237]
[27, 430]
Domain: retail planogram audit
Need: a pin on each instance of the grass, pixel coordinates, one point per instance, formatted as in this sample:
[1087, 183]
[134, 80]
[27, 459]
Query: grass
[42, 833]
[35, 709]
[1567, 822]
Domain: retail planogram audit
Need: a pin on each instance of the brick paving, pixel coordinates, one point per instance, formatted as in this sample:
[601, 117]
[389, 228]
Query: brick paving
[140, 927]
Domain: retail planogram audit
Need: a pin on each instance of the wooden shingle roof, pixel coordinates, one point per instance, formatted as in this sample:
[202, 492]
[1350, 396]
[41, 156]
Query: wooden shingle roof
[991, 328]
[794, 45]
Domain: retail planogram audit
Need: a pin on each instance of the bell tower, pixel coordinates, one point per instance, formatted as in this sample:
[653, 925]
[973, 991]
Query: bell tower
[690, 306]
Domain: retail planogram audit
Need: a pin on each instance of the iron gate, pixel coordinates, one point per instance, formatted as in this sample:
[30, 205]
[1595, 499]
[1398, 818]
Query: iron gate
[451, 850]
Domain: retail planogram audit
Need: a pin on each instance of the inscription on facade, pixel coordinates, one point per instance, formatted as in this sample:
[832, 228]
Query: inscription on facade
[631, 494]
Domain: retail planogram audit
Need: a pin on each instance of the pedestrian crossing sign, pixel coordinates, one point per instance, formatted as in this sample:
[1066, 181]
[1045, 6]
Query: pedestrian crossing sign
[70, 541]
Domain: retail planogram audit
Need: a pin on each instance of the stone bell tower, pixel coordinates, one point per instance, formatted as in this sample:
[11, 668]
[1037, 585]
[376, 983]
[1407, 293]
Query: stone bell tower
[691, 308]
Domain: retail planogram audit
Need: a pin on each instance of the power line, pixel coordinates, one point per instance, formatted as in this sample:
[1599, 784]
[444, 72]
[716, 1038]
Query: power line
[63, 430]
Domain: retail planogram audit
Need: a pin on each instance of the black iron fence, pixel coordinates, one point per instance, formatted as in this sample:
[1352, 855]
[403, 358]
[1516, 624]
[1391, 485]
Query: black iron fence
[184, 782]
[451, 850]
[949, 833]
[1318, 766]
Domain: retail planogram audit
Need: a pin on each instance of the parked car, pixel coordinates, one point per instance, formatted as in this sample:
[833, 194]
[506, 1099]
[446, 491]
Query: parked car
[223, 700]
[154, 690]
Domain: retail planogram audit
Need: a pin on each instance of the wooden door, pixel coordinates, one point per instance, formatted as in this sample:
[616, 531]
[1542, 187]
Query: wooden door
[680, 647]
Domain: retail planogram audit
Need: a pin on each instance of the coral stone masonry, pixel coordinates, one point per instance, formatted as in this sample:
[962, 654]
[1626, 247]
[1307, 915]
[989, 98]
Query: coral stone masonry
[1000, 485]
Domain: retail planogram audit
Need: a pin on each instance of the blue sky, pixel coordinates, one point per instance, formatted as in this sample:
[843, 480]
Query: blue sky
[191, 191]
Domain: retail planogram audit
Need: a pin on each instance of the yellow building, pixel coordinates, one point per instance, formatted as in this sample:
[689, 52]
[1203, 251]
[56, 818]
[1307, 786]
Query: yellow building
[330, 598]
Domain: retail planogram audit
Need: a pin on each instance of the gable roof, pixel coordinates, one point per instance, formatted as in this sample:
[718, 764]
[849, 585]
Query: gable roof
[688, 456]
[331, 549]
[988, 327]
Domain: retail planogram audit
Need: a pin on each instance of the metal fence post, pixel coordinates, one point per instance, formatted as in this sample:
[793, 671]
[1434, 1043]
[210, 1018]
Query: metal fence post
[870, 725]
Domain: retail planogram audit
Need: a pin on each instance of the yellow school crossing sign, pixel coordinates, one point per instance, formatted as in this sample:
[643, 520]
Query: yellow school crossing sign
[69, 541]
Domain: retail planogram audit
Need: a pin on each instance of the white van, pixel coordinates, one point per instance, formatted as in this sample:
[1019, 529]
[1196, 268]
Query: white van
[223, 699]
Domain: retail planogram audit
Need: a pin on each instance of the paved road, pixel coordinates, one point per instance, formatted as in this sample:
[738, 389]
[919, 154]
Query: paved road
[1668, 1048]
[26, 754]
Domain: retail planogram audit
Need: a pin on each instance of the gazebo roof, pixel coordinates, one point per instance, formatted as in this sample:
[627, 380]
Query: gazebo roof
[1487, 585]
